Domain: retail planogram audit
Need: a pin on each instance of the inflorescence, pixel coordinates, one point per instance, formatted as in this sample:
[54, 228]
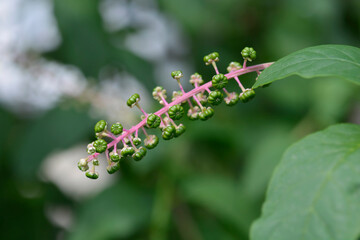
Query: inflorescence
[120, 143]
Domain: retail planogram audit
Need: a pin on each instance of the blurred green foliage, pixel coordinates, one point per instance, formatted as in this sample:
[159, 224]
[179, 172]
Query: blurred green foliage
[209, 183]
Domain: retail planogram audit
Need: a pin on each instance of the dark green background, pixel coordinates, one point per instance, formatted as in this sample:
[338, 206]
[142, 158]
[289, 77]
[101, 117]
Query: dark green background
[210, 182]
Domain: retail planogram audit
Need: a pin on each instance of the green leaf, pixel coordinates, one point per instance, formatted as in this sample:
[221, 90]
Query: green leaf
[116, 213]
[315, 191]
[320, 61]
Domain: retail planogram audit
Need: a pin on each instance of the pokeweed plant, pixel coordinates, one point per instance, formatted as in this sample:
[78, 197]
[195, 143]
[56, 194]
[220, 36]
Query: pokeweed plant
[119, 143]
[314, 192]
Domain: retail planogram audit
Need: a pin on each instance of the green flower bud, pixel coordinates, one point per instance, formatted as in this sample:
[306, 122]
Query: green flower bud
[127, 151]
[219, 81]
[114, 157]
[153, 121]
[247, 95]
[212, 57]
[83, 165]
[206, 113]
[193, 113]
[137, 141]
[117, 128]
[139, 154]
[176, 95]
[168, 132]
[233, 66]
[95, 162]
[176, 112]
[134, 99]
[248, 53]
[100, 126]
[196, 78]
[180, 130]
[231, 99]
[92, 175]
[159, 91]
[151, 141]
[100, 145]
[215, 97]
[91, 149]
[113, 167]
[207, 59]
[201, 96]
[177, 74]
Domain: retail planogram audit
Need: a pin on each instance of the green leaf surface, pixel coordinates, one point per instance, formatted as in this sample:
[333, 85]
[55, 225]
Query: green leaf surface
[116, 213]
[315, 190]
[321, 61]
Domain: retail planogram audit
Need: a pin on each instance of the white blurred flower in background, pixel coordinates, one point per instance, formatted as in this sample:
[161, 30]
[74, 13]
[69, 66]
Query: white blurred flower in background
[29, 83]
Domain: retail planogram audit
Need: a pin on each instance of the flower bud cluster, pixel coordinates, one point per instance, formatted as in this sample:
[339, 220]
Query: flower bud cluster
[120, 143]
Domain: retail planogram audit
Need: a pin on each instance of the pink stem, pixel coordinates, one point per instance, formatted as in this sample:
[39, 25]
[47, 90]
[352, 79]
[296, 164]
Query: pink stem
[141, 109]
[173, 123]
[143, 129]
[190, 104]
[227, 93]
[208, 90]
[215, 67]
[240, 85]
[197, 101]
[244, 64]
[163, 99]
[181, 87]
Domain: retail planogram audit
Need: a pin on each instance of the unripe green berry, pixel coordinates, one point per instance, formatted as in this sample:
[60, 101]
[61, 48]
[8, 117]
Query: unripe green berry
[248, 53]
[215, 97]
[113, 167]
[134, 99]
[177, 74]
[91, 149]
[231, 99]
[100, 145]
[179, 130]
[100, 126]
[117, 128]
[206, 113]
[92, 175]
[137, 141]
[219, 81]
[127, 151]
[247, 95]
[139, 154]
[153, 121]
[233, 66]
[168, 132]
[114, 157]
[212, 57]
[151, 141]
[95, 162]
[83, 165]
[176, 112]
